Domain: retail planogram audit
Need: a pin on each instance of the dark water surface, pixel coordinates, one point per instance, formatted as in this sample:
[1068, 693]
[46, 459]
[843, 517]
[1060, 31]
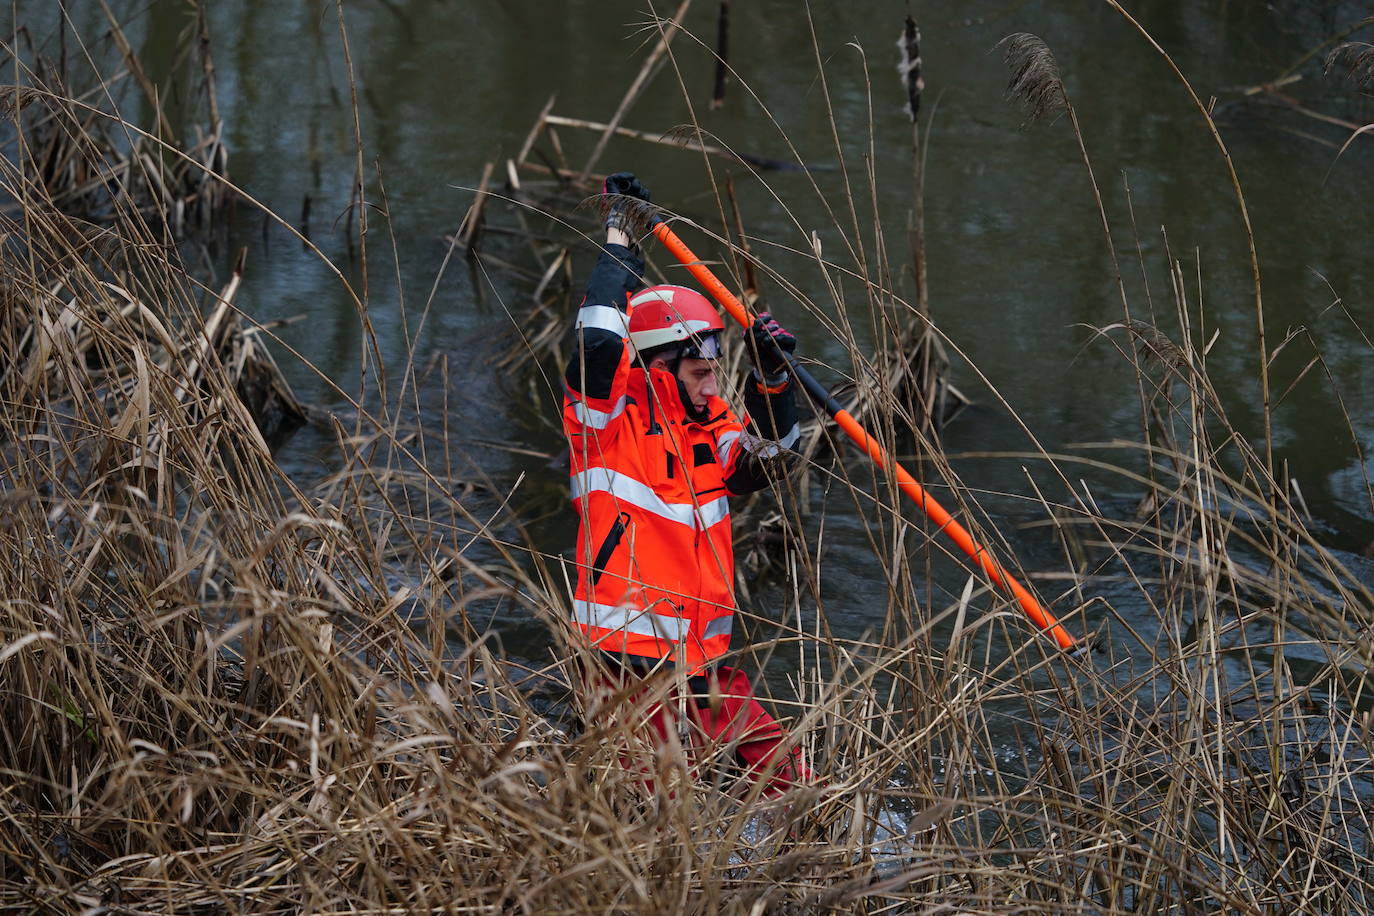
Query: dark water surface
[1019, 268]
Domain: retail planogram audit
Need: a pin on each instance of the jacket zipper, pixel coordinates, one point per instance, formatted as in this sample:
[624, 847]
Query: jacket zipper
[654, 429]
[608, 546]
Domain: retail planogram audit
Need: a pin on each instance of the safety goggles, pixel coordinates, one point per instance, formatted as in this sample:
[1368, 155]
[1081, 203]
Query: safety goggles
[707, 347]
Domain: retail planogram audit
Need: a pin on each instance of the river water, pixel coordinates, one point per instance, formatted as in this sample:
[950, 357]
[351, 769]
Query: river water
[1019, 268]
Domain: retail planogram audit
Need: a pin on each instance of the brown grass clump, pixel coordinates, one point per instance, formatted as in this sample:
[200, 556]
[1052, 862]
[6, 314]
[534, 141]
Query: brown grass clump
[220, 692]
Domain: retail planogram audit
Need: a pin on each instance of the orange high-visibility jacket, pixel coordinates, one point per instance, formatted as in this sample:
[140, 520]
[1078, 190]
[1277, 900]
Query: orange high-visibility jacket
[651, 485]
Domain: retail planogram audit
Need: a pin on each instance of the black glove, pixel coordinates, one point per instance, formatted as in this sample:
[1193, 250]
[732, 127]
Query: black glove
[617, 210]
[772, 341]
[767, 461]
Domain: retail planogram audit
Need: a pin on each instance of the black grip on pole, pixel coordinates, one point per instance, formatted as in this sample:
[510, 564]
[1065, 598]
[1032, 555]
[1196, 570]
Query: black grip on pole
[814, 388]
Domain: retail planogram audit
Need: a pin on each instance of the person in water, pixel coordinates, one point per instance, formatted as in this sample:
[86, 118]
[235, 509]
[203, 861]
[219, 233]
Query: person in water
[656, 455]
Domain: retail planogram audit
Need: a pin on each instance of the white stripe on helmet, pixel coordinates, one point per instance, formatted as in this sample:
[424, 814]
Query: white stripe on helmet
[653, 295]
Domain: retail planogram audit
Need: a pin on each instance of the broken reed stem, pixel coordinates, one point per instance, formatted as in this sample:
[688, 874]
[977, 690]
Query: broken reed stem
[751, 283]
[472, 220]
[135, 65]
[722, 70]
[913, 84]
[674, 140]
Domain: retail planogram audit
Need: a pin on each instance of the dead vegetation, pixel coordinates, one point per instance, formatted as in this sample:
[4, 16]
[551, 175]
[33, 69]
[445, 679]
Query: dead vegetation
[97, 167]
[221, 694]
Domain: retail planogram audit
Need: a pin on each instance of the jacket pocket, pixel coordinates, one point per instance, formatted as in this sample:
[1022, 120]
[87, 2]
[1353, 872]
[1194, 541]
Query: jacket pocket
[608, 546]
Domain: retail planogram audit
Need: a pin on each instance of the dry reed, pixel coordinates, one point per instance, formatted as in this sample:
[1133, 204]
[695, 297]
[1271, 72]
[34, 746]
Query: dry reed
[219, 693]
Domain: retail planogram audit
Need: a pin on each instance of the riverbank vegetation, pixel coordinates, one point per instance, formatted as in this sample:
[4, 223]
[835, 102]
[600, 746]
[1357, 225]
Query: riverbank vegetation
[223, 689]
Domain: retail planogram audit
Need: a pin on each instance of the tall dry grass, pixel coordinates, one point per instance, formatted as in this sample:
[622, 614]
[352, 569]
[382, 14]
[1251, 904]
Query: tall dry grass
[224, 692]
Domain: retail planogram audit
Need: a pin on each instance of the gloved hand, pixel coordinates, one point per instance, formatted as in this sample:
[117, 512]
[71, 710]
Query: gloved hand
[772, 342]
[766, 459]
[619, 213]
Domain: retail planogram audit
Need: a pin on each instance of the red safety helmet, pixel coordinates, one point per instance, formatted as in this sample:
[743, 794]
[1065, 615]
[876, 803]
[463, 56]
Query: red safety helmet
[661, 316]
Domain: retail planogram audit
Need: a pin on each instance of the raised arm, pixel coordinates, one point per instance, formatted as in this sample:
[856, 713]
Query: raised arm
[600, 361]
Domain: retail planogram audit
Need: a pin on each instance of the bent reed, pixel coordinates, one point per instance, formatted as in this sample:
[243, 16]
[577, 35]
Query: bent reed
[225, 690]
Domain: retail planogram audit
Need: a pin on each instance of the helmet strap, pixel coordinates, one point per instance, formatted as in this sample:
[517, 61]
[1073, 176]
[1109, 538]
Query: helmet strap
[693, 414]
[696, 416]
[671, 366]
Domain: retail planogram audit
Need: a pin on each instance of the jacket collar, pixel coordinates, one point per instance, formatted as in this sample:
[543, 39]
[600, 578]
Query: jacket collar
[666, 400]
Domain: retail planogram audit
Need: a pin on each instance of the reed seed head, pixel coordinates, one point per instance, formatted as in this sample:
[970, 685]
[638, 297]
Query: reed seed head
[1033, 76]
[14, 99]
[1356, 59]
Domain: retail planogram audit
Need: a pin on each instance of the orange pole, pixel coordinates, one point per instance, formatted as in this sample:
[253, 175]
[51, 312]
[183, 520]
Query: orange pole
[1033, 609]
